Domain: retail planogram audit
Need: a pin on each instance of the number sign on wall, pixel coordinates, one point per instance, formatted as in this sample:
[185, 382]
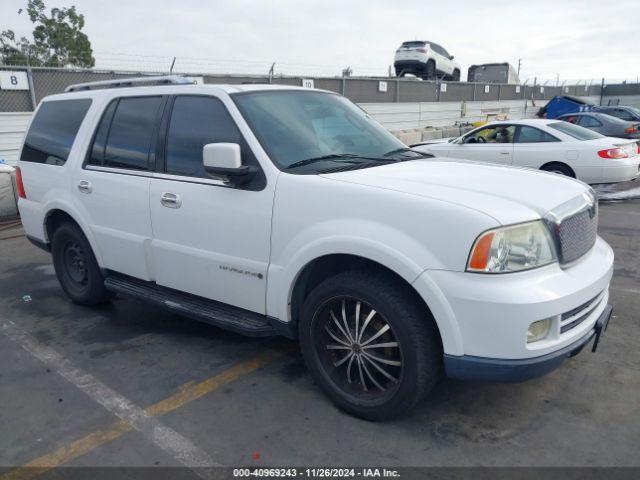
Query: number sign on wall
[13, 80]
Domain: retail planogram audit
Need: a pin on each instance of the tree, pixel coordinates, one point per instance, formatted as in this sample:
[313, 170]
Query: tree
[58, 40]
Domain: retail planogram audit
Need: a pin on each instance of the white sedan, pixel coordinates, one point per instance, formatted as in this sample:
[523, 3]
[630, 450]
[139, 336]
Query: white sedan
[550, 145]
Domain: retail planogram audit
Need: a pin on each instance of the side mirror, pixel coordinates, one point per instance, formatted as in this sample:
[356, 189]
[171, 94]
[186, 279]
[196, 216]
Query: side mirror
[450, 57]
[223, 161]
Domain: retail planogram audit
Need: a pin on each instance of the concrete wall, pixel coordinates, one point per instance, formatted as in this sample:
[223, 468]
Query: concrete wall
[396, 117]
[403, 119]
[417, 115]
[12, 129]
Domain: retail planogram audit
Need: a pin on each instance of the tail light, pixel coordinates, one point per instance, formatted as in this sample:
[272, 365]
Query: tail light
[613, 153]
[630, 130]
[638, 145]
[421, 50]
[19, 184]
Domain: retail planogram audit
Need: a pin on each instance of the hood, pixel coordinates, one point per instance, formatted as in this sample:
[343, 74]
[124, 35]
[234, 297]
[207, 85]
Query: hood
[435, 141]
[508, 194]
[439, 144]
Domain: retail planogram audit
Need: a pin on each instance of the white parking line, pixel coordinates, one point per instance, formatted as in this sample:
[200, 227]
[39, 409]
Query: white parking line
[179, 447]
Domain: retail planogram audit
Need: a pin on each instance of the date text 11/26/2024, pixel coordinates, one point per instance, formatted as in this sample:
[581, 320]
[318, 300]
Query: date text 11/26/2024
[316, 472]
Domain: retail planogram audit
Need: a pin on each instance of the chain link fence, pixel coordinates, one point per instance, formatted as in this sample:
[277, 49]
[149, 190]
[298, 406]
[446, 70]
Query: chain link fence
[21, 88]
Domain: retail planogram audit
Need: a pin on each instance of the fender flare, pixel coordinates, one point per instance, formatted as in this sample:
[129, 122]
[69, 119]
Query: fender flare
[67, 208]
[282, 281]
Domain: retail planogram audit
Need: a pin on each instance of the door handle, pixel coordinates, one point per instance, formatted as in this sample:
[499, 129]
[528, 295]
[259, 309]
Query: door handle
[505, 153]
[170, 200]
[84, 186]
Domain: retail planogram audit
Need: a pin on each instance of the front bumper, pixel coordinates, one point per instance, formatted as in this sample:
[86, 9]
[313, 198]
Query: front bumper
[472, 368]
[488, 316]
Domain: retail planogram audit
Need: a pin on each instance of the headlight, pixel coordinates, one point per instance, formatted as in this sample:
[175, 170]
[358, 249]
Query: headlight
[511, 249]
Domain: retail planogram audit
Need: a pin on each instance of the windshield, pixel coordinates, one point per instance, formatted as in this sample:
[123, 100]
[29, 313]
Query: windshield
[575, 131]
[293, 126]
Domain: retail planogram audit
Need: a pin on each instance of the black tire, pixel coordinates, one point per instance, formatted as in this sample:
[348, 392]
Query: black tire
[418, 349]
[456, 75]
[560, 168]
[76, 266]
[430, 70]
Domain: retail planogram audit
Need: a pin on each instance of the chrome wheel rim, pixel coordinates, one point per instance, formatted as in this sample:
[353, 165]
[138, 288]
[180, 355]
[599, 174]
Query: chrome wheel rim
[357, 349]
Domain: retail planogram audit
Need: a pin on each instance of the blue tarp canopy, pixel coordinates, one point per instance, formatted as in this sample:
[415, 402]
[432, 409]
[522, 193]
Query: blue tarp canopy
[561, 104]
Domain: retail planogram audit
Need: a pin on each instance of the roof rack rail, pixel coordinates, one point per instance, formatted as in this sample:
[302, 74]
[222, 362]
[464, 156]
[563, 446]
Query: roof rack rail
[132, 82]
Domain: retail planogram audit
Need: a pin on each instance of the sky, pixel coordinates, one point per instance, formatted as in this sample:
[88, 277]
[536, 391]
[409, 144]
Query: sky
[572, 39]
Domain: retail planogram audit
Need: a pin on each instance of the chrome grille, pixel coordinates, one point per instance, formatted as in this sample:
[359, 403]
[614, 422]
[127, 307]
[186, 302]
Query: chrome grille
[577, 234]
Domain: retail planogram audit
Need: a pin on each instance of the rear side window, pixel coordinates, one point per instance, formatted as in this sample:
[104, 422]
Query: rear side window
[53, 131]
[587, 121]
[416, 44]
[195, 122]
[125, 134]
[623, 114]
[575, 131]
[534, 135]
[571, 119]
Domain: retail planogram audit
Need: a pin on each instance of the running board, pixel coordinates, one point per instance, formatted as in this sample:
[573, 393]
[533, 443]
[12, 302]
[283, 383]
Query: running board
[215, 313]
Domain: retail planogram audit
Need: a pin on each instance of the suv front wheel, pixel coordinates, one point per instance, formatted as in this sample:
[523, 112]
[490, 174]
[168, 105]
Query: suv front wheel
[370, 344]
[76, 266]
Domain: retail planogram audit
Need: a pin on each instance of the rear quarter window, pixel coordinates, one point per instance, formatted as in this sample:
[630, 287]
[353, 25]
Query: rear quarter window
[53, 131]
[575, 131]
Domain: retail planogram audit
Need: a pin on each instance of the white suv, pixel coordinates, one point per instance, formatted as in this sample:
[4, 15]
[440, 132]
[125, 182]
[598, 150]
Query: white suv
[426, 60]
[280, 210]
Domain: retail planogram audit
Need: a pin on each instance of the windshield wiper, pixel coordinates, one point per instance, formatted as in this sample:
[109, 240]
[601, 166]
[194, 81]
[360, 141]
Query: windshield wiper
[408, 150]
[349, 158]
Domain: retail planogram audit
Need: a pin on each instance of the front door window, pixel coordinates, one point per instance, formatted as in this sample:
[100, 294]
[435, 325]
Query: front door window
[493, 134]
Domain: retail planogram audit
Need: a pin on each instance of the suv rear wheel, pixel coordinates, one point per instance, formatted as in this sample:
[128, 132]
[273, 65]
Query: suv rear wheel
[430, 70]
[456, 75]
[370, 345]
[76, 266]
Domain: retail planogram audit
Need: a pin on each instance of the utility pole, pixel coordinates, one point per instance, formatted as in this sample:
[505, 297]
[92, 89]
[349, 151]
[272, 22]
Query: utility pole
[519, 65]
[557, 79]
